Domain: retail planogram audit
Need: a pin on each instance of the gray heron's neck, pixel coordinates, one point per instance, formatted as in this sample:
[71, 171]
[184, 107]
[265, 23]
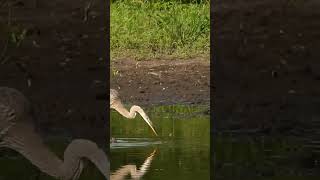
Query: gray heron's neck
[82, 148]
[118, 106]
[22, 138]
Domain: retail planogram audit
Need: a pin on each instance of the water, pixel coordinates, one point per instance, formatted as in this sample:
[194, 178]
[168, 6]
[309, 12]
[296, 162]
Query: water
[265, 157]
[181, 152]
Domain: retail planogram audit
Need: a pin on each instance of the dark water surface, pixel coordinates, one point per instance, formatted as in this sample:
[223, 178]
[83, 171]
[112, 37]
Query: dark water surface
[265, 157]
[182, 150]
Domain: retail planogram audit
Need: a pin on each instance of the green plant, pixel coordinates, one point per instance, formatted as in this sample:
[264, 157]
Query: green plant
[16, 37]
[147, 29]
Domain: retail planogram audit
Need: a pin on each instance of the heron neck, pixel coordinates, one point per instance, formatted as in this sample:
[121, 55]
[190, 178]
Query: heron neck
[81, 148]
[124, 112]
[22, 138]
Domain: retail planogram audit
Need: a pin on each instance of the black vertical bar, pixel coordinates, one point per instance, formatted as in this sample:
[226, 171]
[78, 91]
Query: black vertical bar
[107, 40]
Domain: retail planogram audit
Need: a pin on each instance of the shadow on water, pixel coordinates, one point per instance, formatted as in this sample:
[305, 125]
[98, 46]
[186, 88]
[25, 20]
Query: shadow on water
[181, 150]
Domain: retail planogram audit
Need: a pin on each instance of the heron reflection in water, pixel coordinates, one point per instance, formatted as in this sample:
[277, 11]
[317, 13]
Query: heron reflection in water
[132, 170]
[17, 133]
[115, 103]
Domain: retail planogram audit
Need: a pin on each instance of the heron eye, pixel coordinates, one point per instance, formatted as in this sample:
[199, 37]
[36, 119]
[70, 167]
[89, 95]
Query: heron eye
[11, 114]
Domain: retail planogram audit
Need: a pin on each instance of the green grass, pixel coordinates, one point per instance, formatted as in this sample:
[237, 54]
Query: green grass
[159, 29]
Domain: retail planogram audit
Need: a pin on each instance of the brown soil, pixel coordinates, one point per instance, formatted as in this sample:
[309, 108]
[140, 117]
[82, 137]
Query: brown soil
[267, 67]
[160, 82]
[65, 59]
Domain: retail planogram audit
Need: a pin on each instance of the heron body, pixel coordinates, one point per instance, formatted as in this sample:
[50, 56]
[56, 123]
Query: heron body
[14, 107]
[17, 133]
[116, 104]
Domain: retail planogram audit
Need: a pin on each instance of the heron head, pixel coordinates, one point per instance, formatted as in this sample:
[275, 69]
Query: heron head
[145, 117]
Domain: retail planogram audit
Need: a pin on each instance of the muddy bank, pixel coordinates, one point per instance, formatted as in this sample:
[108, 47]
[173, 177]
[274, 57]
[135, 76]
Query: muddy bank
[64, 58]
[162, 82]
[267, 65]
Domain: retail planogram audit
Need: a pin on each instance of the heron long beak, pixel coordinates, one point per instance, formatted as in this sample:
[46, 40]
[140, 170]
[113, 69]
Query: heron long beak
[151, 125]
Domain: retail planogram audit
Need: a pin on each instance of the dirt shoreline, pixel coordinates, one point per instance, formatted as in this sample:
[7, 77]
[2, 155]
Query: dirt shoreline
[162, 82]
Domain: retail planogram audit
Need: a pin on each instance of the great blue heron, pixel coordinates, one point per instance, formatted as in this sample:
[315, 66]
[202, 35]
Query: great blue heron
[17, 133]
[135, 173]
[115, 103]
